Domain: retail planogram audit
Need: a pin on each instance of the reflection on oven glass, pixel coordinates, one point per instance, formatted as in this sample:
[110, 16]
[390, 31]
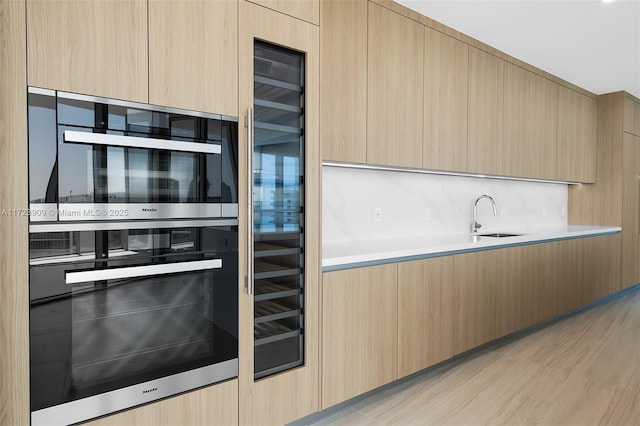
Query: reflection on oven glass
[97, 336]
[43, 176]
[145, 324]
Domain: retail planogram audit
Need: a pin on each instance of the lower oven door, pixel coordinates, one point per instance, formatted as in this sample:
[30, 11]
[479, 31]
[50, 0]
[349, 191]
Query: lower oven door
[156, 316]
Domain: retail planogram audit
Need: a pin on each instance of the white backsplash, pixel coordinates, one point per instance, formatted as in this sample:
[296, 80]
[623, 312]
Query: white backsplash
[417, 204]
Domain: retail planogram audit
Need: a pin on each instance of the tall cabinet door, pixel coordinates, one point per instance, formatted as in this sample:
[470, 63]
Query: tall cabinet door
[279, 92]
[631, 209]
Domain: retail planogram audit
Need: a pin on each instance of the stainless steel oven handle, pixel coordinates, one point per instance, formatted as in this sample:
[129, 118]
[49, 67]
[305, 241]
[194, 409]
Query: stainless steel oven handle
[71, 136]
[250, 141]
[141, 271]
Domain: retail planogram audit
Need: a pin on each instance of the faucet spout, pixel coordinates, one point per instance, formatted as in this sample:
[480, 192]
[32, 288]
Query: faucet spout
[475, 225]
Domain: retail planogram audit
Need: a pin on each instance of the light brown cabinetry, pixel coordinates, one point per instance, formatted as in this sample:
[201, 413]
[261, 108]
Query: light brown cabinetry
[577, 136]
[515, 290]
[530, 124]
[193, 55]
[426, 313]
[588, 270]
[613, 199]
[602, 257]
[486, 109]
[552, 270]
[632, 116]
[474, 285]
[479, 113]
[96, 48]
[14, 239]
[291, 394]
[569, 258]
[359, 331]
[631, 209]
[446, 80]
[216, 404]
[601, 203]
[448, 305]
[518, 288]
[343, 80]
[539, 281]
[307, 10]
[394, 77]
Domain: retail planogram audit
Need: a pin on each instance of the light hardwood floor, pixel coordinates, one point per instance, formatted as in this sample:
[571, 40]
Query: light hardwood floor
[582, 370]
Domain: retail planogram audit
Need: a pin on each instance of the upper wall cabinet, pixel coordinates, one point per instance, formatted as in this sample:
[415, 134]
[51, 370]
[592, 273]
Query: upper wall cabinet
[97, 48]
[193, 55]
[631, 116]
[577, 136]
[530, 124]
[486, 109]
[446, 79]
[343, 83]
[307, 10]
[394, 101]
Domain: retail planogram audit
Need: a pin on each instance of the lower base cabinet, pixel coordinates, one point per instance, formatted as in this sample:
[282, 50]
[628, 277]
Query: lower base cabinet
[527, 290]
[588, 269]
[213, 405]
[602, 273]
[474, 285]
[446, 305]
[569, 275]
[542, 280]
[426, 311]
[359, 331]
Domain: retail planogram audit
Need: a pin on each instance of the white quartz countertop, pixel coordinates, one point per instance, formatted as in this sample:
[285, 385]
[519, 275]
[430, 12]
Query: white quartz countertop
[346, 255]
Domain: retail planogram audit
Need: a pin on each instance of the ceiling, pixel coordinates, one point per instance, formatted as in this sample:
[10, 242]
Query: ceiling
[591, 44]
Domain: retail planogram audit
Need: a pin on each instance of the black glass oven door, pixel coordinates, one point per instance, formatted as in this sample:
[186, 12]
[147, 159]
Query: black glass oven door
[152, 303]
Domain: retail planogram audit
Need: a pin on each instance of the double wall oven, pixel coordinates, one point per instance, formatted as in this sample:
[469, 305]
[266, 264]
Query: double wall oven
[133, 253]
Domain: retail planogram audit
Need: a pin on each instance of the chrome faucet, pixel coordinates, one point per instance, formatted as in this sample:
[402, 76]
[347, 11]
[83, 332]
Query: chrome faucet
[475, 225]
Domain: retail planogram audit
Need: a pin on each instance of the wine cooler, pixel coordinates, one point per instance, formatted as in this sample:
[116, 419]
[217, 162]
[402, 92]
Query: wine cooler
[278, 239]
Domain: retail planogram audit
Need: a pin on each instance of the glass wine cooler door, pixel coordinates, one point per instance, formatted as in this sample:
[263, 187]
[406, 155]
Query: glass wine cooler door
[278, 209]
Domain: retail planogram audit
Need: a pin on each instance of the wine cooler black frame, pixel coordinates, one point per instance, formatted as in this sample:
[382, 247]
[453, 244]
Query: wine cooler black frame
[278, 164]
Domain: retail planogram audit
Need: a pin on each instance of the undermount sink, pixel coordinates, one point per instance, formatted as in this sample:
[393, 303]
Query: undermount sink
[499, 235]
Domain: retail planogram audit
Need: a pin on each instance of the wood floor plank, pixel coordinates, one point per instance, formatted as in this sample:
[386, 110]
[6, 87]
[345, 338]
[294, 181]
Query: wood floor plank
[627, 411]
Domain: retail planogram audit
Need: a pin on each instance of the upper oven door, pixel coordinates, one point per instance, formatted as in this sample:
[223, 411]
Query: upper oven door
[112, 160]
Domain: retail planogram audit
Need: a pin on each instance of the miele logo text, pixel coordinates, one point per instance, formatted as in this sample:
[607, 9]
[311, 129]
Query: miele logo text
[149, 390]
[149, 210]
